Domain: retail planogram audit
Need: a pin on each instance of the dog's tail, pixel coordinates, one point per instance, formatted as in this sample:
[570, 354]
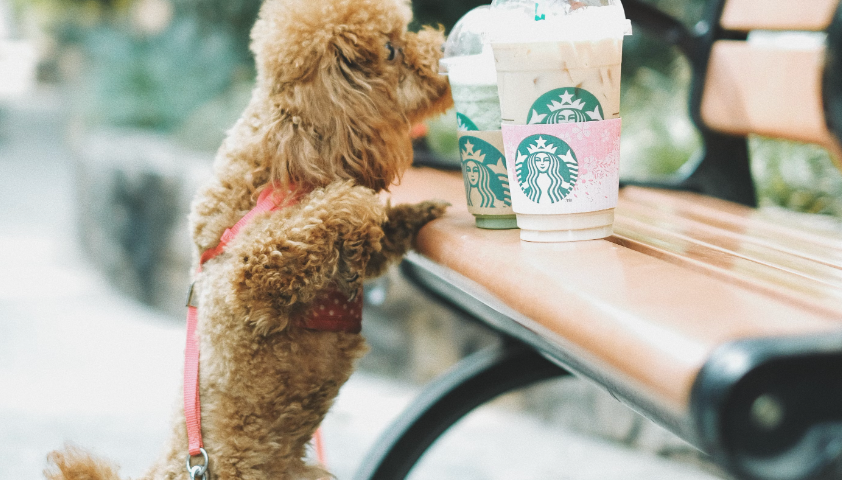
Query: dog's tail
[74, 464]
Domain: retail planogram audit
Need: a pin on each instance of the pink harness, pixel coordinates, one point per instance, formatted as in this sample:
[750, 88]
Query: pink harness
[332, 311]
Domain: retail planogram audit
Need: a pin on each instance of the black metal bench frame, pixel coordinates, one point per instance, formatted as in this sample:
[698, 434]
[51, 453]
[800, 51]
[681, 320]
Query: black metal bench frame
[752, 445]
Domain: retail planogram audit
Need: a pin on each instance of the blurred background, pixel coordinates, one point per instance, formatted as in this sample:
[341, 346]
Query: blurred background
[110, 114]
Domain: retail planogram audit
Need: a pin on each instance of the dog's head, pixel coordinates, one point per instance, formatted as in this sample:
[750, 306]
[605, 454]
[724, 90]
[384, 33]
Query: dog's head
[345, 81]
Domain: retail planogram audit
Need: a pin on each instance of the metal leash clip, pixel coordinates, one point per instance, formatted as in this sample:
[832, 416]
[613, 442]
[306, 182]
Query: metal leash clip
[198, 472]
[192, 297]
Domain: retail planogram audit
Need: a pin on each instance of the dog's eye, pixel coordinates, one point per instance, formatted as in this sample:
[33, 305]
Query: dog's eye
[391, 52]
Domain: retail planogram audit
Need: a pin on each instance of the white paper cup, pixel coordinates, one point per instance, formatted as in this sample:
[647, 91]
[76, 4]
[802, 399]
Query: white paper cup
[559, 85]
[564, 179]
[469, 64]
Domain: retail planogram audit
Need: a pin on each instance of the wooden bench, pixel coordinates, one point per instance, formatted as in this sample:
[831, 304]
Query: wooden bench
[720, 324]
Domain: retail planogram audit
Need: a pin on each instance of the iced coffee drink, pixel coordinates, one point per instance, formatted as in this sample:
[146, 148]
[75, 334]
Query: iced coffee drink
[558, 73]
[469, 64]
[559, 82]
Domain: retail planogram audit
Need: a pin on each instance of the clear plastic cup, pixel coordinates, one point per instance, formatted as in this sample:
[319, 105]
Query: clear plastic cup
[469, 64]
[558, 71]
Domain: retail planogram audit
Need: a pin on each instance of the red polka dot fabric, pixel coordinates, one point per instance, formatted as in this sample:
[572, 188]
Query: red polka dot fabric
[334, 312]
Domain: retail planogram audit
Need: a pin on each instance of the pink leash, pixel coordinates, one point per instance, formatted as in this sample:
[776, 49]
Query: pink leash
[192, 405]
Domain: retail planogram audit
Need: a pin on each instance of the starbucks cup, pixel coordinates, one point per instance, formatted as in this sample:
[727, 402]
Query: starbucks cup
[558, 75]
[469, 64]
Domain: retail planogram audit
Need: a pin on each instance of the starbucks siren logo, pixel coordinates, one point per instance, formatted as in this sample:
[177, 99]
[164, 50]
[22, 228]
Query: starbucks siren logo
[566, 105]
[546, 168]
[484, 173]
[465, 124]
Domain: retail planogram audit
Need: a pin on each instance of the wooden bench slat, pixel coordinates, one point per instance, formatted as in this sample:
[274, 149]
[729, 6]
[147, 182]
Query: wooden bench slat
[720, 251]
[651, 322]
[744, 94]
[737, 243]
[768, 281]
[825, 247]
[745, 15]
[734, 267]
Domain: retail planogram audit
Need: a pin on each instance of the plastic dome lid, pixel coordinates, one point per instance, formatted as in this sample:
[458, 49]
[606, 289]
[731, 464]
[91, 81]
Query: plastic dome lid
[551, 20]
[468, 41]
[553, 7]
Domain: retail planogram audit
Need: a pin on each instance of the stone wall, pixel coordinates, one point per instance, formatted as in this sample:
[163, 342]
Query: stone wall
[134, 190]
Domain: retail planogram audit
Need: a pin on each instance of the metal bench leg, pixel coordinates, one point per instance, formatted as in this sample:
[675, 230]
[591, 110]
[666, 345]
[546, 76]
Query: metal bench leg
[473, 381]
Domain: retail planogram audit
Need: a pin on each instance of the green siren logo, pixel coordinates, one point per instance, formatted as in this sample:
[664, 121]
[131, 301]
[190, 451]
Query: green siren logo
[465, 124]
[484, 173]
[566, 105]
[546, 168]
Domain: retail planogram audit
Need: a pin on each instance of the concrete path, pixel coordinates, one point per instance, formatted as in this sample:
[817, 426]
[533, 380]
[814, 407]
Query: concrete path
[80, 363]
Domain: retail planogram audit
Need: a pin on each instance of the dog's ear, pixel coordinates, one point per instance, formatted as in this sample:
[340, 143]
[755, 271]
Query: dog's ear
[322, 65]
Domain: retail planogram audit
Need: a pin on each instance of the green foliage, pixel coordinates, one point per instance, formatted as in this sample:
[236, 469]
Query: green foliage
[642, 50]
[204, 129]
[130, 76]
[153, 81]
[442, 138]
[444, 12]
[658, 135]
[689, 12]
[234, 18]
[796, 176]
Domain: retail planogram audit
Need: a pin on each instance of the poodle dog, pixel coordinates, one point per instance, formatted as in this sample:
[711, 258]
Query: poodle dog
[339, 84]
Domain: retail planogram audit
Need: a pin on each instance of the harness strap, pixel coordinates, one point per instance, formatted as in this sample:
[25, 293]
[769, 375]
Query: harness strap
[332, 312]
[192, 406]
[266, 202]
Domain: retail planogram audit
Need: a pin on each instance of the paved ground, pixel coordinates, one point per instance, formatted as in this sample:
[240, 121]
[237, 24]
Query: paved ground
[80, 363]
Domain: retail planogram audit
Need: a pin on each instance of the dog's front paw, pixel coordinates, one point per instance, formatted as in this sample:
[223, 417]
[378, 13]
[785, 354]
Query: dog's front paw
[432, 209]
[411, 217]
[400, 229]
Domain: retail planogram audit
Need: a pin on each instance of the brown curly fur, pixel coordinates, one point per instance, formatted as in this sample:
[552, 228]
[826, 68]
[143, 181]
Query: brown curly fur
[330, 116]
